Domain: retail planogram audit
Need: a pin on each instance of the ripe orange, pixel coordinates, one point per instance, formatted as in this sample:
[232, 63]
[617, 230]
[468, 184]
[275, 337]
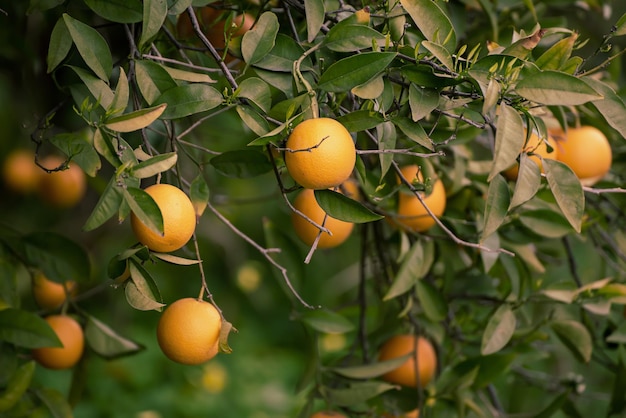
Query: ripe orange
[411, 214]
[537, 149]
[71, 335]
[328, 414]
[20, 173]
[188, 331]
[424, 359]
[179, 219]
[305, 202]
[62, 189]
[410, 414]
[587, 151]
[49, 294]
[321, 153]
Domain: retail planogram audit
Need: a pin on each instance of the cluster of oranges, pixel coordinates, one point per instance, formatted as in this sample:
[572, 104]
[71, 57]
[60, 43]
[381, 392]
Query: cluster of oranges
[62, 189]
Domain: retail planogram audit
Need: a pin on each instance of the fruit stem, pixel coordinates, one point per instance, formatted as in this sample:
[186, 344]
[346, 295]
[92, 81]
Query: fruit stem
[298, 74]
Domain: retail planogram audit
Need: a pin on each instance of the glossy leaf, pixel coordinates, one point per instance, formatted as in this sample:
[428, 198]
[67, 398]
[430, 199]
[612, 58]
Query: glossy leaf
[91, 46]
[188, 100]
[360, 120]
[354, 70]
[323, 320]
[611, 107]
[343, 208]
[59, 45]
[575, 337]
[26, 329]
[350, 38]
[152, 80]
[509, 140]
[496, 205]
[257, 91]
[190, 76]
[141, 291]
[199, 194]
[527, 183]
[259, 41]
[253, 120]
[439, 52]
[414, 132]
[567, 191]
[558, 54]
[98, 88]
[120, 11]
[556, 88]
[422, 101]
[134, 121]
[121, 95]
[79, 145]
[241, 163]
[154, 165]
[372, 89]
[154, 14]
[499, 330]
[432, 22]
[282, 55]
[106, 342]
[414, 266]
[145, 208]
[315, 14]
[107, 206]
[370, 371]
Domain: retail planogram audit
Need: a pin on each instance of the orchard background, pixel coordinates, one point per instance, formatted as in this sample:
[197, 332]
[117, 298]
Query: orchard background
[520, 284]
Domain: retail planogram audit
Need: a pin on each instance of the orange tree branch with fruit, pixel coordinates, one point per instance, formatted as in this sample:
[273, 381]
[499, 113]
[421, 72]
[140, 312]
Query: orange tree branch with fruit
[464, 173]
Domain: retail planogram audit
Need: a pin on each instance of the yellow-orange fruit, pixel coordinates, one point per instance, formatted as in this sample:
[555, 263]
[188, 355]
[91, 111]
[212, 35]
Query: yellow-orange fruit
[587, 151]
[411, 213]
[20, 173]
[328, 414]
[538, 150]
[65, 188]
[320, 153]
[188, 331]
[179, 220]
[419, 368]
[49, 294]
[306, 203]
[71, 335]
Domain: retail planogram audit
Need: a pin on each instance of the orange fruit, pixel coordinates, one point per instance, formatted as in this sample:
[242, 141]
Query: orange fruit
[587, 151]
[62, 189]
[49, 294]
[20, 173]
[320, 153]
[410, 414]
[411, 214]
[179, 220]
[538, 149]
[306, 203]
[188, 331]
[71, 335]
[328, 414]
[423, 360]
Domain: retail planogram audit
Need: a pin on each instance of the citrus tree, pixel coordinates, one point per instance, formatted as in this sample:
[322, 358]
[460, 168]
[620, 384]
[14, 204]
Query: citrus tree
[434, 187]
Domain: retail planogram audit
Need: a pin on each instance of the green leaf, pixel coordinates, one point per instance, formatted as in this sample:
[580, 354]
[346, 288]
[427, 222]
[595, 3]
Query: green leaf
[154, 14]
[620, 26]
[257, 91]
[354, 70]
[26, 329]
[315, 14]
[545, 223]
[558, 54]
[199, 194]
[91, 46]
[122, 93]
[414, 132]
[431, 301]
[134, 121]
[432, 22]
[360, 120]
[499, 330]
[281, 57]
[188, 100]
[509, 140]
[343, 208]
[414, 266]
[119, 11]
[154, 165]
[108, 204]
[241, 163]
[528, 181]
[387, 138]
[422, 101]
[356, 393]
[145, 208]
[59, 46]
[106, 342]
[288, 256]
[174, 259]
[496, 205]
[612, 107]
[58, 257]
[351, 38]
[575, 337]
[55, 401]
[98, 88]
[259, 41]
[323, 320]
[190, 76]
[556, 88]
[79, 145]
[152, 79]
[370, 371]
[372, 89]
[567, 191]
[253, 120]
[440, 52]
[141, 291]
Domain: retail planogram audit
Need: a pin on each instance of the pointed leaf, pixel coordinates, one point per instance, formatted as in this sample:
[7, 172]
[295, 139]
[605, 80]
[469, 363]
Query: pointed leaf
[343, 208]
[154, 14]
[576, 337]
[556, 88]
[107, 206]
[350, 38]
[432, 22]
[154, 165]
[174, 259]
[422, 101]
[360, 120]
[59, 46]
[134, 121]
[91, 46]
[259, 41]
[119, 11]
[440, 52]
[323, 320]
[528, 181]
[499, 330]
[315, 14]
[106, 342]
[152, 79]
[354, 70]
[567, 191]
[257, 91]
[199, 194]
[509, 140]
[145, 208]
[496, 205]
[356, 393]
[188, 100]
[612, 107]
[98, 88]
[370, 371]
[190, 76]
[242, 163]
[414, 266]
[141, 291]
[558, 54]
[431, 301]
[414, 132]
[26, 329]
[122, 93]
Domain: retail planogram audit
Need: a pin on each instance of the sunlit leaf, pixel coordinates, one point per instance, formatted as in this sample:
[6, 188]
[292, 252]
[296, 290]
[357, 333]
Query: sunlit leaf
[349, 38]
[440, 52]
[556, 88]
[133, 121]
[154, 165]
[141, 291]
[354, 70]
